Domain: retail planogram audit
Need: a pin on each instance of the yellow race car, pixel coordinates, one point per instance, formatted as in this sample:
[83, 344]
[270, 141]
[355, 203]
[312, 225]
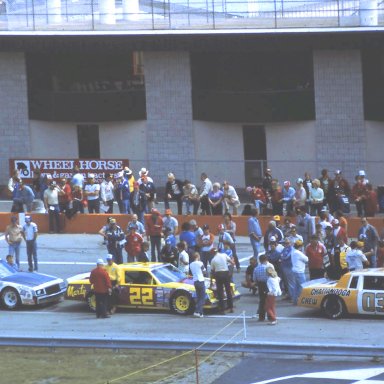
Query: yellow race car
[357, 292]
[149, 285]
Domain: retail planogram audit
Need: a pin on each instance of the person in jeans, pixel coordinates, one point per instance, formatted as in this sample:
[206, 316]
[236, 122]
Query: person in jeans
[51, 203]
[13, 236]
[299, 261]
[30, 235]
[254, 232]
[197, 269]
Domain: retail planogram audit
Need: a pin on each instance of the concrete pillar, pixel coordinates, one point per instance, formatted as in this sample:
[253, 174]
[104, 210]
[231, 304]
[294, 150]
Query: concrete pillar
[170, 134]
[341, 138]
[107, 11]
[368, 13]
[54, 11]
[131, 9]
[14, 122]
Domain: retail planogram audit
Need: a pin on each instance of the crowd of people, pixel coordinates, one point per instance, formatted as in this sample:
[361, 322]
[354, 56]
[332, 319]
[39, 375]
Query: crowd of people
[324, 248]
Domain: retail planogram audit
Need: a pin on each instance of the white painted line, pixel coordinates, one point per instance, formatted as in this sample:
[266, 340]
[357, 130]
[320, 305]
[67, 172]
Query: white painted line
[2, 237]
[62, 262]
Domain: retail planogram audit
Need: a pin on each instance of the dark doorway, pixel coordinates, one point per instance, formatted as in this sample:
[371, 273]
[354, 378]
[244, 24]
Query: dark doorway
[255, 153]
[88, 139]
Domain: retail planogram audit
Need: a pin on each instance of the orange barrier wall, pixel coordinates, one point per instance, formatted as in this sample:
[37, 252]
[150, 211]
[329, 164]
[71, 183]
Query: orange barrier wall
[88, 223]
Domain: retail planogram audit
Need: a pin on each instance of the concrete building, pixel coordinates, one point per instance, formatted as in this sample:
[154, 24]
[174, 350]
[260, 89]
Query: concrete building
[227, 99]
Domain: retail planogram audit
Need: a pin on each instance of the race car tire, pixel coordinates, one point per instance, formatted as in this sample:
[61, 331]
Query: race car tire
[333, 307]
[10, 298]
[182, 303]
[91, 301]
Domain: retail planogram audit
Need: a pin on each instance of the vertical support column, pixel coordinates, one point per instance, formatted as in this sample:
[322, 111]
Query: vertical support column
[340, 129]
[170, 134]
[54, 11]
[369, 13]
[14, 122]
[107, 11]
[131, 9]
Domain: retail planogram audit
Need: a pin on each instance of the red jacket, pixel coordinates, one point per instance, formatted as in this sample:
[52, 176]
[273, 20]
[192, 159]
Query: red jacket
[153, 228]
[100, 280]
[133, 244]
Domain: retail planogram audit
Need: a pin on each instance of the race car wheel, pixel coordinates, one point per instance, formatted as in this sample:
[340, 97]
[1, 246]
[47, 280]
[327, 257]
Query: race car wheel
[182, 303]
[333, 307]
[91, 301]
[10, 298]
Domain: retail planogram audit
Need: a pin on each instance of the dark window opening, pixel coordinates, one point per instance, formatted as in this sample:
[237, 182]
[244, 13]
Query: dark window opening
[88, 140]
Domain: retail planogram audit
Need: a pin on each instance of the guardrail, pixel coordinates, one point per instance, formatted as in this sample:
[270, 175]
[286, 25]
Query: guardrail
[309, 350]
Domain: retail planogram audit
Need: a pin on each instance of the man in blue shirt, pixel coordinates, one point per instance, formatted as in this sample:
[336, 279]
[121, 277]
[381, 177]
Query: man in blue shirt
[260, 278]
[254, 232]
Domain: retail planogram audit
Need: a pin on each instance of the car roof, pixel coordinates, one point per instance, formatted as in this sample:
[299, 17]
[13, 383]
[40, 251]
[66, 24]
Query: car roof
[369, 271]
[142, 266]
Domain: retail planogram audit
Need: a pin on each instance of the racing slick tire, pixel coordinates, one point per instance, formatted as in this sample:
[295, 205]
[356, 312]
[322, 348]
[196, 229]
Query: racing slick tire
[333, 307]
[10, 298]
[182, 303]
[91, 301]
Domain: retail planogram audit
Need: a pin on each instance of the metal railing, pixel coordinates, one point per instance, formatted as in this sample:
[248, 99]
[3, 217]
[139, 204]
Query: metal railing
[306, 349]
[130, 15]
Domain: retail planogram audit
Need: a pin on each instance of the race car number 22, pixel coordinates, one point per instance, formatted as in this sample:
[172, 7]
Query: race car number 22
[141, 296]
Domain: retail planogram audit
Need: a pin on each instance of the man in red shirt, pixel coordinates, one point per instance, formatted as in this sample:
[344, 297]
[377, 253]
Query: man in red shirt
[154, 231]
[133, 244]
[102, 287]
[65, 199]
[315, 252]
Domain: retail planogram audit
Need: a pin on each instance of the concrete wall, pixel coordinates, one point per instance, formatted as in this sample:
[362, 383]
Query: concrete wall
[340, 129]
[14, 123]
[375, 153]
[291, 149]
[170, 139]
[219, 151]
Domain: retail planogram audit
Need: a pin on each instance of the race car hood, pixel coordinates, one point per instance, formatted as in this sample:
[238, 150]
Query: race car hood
[28, 279]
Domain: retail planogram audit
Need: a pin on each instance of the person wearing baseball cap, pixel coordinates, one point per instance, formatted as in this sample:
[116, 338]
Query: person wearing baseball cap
[299, 261]
[170, 222]
[113, 272]
[30, 235]
[102, 288]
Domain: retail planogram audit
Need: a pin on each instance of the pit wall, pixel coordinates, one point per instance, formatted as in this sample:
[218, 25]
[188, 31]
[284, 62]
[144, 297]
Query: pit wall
[92, 223]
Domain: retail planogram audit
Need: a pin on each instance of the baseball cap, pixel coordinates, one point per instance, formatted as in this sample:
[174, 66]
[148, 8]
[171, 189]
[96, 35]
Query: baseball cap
[272, 239]
[100, 262]
[220, 227]
[361, 172]
[91, 175]
[112, 221]
[109, 257]
[299, 180]
[360, 244]
[335, 222]
[298, 243]
[337, 172]
[27, 218]
[276, 218]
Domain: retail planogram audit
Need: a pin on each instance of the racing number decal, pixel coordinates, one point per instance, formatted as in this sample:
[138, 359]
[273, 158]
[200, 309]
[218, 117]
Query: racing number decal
[141, 296]
[373, 302]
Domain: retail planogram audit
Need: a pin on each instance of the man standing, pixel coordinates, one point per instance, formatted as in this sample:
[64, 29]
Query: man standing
[304, 225]
[254, 232]
[220, 272]
[260, 278]
[205, 188]
[51, 203]
[299, 260]
[315, 251]
[170, 222]
[27, 196]
[369, 234]
[113, 273]
[174, 191]
[102, 287]
[13, 236]
[138, 202]
[115, 236]
[92, 192]
[197, 270]
[30, 236]
[106, 192]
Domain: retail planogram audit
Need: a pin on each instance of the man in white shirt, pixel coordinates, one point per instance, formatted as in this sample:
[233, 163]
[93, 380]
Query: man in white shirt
[299, 261]
[197, 270]
[170, 222]
[92, 193]
[30, 235]
[106, 192]
[205, 188]
[230, 197]
[51, 203]
[220, 271]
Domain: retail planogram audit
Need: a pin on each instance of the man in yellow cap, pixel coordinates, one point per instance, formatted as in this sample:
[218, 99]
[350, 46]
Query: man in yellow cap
[299, 261]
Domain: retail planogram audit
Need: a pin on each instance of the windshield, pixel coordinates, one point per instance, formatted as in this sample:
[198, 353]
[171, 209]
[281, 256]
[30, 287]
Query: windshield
[5, 270]
[168, 274]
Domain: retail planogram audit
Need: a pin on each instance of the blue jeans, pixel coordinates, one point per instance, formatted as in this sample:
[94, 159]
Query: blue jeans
[192, 203]
[124, 206]
[32, 252]
[200, 295]
[54, 218]
[299, 279]
[14, 250]
[256, 248]
[289, 281]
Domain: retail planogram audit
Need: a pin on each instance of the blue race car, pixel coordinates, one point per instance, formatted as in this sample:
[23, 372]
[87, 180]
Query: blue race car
[26, 288]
